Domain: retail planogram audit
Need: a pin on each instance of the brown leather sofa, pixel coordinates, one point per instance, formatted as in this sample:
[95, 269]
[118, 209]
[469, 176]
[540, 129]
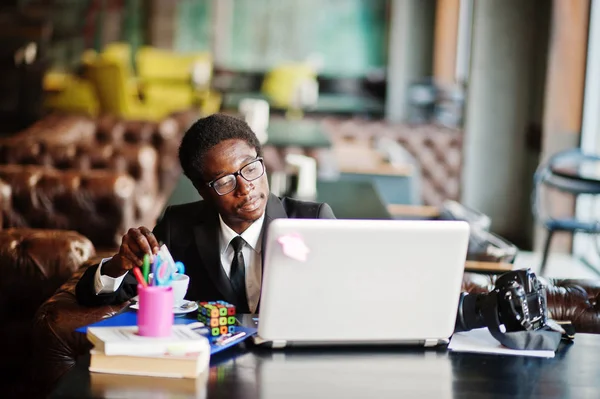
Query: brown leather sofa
[33, 264]
[437, 149]
[105, 151]
[98, 204]
[58, 344]
[76, 142]
[67, 183]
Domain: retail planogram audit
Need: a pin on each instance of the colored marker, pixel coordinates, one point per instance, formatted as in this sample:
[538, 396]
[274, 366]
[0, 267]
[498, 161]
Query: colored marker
[146, 267]
[139, 277]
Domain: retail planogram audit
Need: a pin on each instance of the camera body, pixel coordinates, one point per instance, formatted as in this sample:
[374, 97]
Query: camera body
[521, 301]
[518, 301]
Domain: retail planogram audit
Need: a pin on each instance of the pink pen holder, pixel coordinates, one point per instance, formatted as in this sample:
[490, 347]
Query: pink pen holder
[155, 313]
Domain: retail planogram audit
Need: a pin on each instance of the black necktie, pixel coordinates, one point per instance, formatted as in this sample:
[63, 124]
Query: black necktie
[237, 275]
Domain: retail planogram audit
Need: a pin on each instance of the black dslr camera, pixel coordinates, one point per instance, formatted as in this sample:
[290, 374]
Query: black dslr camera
[518, 303]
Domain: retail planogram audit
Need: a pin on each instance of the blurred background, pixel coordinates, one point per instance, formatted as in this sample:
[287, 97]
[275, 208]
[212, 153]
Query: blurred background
[385, 109]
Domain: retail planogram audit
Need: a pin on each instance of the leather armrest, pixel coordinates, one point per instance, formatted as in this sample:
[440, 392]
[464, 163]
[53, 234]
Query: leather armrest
[57, 344]
[5, 201]
[33, 264]
[576, 300]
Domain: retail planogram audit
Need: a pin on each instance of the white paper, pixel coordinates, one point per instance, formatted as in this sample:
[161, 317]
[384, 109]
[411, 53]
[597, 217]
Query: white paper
[481, 340]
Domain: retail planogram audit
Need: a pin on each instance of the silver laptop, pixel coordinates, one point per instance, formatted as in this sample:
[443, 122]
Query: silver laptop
[361, 281]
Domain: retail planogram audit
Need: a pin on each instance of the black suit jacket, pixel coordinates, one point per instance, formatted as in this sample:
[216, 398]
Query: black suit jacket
[191, 232]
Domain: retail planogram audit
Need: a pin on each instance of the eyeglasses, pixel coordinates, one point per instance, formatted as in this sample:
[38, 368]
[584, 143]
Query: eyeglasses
[251, 171]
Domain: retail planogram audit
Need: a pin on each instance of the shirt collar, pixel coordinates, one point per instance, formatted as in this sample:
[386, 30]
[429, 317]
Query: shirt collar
[251, 235]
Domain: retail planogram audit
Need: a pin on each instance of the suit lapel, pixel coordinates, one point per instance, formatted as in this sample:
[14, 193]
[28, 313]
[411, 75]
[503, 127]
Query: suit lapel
[206, 235]
[274, 210]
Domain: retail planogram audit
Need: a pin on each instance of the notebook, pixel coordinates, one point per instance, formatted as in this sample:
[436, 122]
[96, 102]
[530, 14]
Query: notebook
[361, 281]
[129, 318]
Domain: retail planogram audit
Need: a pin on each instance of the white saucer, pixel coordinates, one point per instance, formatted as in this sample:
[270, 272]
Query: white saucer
[182, 309]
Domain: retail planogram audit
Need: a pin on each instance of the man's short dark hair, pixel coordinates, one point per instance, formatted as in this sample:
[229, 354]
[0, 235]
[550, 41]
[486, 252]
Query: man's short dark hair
[206, 133]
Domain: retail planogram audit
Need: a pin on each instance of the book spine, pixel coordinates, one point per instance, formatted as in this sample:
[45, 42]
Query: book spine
[142, 373]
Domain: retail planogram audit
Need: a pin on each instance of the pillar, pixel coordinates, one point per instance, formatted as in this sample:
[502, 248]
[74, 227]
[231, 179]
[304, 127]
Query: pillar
[410, 52]
[497, 116]
[445, 41]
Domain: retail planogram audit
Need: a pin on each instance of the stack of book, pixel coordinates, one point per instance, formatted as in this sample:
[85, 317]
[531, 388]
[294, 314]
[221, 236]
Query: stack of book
[120, 350]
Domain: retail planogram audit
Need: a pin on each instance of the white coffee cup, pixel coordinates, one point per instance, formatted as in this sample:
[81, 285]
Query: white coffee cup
[179, 284]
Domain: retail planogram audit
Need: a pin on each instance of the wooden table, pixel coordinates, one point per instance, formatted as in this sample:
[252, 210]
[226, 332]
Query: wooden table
[367, 372]
[488, 267]
[407, 211]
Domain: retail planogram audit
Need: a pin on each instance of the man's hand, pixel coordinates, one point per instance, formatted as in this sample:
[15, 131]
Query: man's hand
[134, 245]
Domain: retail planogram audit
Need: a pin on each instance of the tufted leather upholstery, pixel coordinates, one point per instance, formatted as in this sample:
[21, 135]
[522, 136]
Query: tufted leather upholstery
[5, 200]
[55, 341]
[78, 145]
[163, 136]
[98, 204]
[54, 128]
[36, 262]
[59, 345]
[437, 149]
[139, 162]
[33, 264]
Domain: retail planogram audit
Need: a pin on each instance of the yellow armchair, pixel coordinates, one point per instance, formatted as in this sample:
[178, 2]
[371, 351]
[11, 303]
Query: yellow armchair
[109, 80]
[120, 53]
[154, 64]
[67, 92]
[181, 79]
[291, 86]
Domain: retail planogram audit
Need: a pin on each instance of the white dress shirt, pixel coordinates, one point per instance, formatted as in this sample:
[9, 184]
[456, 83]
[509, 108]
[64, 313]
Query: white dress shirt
[251, 252]
[106, 284]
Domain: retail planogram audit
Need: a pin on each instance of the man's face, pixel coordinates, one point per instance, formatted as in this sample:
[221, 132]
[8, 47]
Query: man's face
[241, 207]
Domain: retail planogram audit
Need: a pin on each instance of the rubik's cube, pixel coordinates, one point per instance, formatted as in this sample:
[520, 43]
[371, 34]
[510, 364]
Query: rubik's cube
[218, 316]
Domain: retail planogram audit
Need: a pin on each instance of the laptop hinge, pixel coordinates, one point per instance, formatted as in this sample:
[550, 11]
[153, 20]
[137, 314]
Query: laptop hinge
[277, 344]
[431, 342]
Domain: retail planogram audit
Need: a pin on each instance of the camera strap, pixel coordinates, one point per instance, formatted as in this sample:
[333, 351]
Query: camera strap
[541, 339]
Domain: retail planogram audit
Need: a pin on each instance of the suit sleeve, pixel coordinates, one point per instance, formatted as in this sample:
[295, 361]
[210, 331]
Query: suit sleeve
[86, 293]
[325, 212]
[161, 231]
